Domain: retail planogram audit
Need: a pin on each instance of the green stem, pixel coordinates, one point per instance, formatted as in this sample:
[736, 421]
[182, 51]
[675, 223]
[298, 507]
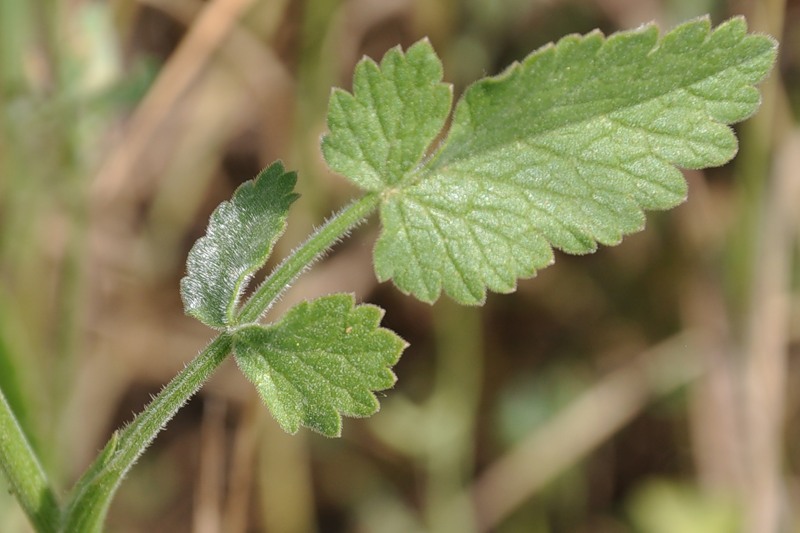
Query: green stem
[93, 492]
[21, 467]
[316, 246]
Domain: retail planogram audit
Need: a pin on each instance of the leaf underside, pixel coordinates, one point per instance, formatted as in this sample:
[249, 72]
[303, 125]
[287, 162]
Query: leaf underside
[323, 359]
[563, 150]
[238, 241]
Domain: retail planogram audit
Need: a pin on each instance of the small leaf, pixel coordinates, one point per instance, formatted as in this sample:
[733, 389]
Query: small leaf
[239, 239]
[565, 150]
[380, 133]
[322, 360]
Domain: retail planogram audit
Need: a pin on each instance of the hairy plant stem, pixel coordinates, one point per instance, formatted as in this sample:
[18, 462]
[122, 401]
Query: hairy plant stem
[315, 247]
[92, 494]
[24, 472]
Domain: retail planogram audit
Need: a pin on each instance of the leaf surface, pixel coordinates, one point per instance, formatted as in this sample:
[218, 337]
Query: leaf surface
[565, 150]
[238, 241]
[323, 359]
[381, 131]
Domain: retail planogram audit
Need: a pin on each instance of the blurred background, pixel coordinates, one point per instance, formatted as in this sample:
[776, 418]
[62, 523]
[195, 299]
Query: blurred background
[647, 388]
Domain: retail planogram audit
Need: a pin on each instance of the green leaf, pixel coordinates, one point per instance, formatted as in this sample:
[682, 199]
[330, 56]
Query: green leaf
[566, 149]
[239, 239]
[322, 360]
[381, 132]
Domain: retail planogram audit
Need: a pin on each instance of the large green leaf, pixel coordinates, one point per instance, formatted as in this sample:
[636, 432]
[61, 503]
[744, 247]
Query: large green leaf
[565, 149]
[238, 241]
[323, 359]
